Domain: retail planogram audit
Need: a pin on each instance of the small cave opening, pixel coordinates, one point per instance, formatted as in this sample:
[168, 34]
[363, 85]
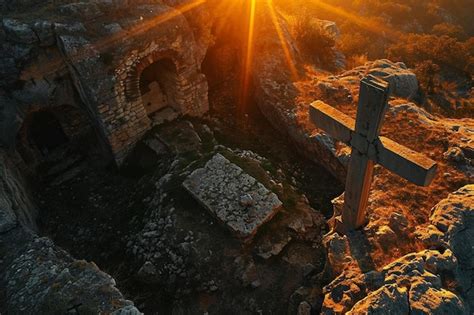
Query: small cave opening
[158, 88]
[54, 133]
[45, 132]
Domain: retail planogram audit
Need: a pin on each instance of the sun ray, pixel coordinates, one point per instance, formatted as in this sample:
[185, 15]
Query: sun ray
[246, 73]
[286, 50]
[227, 7]
[124, 35]
[225, 10]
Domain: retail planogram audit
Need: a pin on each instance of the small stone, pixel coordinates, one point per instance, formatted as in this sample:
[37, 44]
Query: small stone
[304, 308]
[246, 200]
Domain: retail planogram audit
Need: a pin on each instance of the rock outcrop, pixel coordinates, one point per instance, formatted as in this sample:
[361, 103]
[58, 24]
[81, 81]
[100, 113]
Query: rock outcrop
[452, 226]
[44, 279]
[436, 280]
[38, 277]
[403, 82]
[16, 207]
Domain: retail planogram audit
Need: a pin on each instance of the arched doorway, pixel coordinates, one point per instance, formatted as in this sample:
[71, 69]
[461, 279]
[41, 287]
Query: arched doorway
[158, 88]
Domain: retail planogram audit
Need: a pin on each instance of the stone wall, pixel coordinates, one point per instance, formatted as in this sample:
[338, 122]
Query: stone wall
[127, 119]
[103, 58]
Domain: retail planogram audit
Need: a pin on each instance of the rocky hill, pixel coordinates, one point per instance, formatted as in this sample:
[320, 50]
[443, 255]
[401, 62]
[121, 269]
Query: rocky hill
[216, 198]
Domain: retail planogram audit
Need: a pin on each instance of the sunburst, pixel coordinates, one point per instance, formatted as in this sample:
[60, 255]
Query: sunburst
[248, 59]
[265, 7]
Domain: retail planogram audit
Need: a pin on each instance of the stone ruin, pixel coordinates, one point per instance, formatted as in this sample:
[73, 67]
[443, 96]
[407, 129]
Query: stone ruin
[87, 68]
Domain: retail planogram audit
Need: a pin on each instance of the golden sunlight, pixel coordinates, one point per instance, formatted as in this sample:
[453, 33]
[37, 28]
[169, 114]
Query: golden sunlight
[249, 54]
[104, 44]
[363, 22]
[269, 8]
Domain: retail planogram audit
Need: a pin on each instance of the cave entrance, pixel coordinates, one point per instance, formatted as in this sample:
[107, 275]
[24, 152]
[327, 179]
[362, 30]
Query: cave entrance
[55, 133]
[46, 132]
[158, 87]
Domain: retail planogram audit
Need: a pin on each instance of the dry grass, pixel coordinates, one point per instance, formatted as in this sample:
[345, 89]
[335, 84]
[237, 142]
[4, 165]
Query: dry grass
[390, 193]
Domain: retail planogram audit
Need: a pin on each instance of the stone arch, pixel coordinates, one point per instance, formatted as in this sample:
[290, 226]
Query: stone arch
[132, 81]
[158, 83]
[159, 86]
[125, 118]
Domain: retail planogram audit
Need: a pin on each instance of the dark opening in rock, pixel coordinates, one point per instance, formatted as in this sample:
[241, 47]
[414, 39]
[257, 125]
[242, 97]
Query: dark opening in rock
[45, 132]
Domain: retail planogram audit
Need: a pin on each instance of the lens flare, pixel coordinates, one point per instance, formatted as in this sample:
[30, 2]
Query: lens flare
[284, 44]
[246, 73]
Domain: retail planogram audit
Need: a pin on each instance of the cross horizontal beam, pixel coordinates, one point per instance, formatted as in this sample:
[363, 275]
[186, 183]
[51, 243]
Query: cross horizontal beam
[410, 165]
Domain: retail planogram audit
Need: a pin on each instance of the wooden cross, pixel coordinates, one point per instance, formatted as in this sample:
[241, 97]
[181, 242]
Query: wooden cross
[368, 148]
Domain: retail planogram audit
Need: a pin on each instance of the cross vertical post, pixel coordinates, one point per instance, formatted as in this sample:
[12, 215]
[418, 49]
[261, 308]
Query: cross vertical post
[370, 112]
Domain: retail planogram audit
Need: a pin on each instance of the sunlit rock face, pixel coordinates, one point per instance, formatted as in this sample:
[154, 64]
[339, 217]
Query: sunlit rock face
[403, 82]
[452, 226]
[277, 93]
[435, 281]
[92, 56]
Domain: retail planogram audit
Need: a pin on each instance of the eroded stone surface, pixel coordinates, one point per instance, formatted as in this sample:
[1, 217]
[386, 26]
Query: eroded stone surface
[435, 281]
[16, 206]
[38, 277]
[412, 283]
[45, 279]
[235, 198]
[452, 226]
[90, 43]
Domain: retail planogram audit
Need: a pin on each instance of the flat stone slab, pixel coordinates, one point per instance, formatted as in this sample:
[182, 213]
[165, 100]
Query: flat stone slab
[235, 198]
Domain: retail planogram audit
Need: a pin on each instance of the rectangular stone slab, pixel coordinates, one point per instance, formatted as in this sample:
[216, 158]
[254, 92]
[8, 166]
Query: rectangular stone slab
[236, 199]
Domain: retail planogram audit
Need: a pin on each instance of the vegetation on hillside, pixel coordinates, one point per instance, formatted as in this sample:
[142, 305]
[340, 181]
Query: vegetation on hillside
[435, 38]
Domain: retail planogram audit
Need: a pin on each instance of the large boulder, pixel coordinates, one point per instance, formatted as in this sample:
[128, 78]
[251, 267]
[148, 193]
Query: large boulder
[403, 82]
[44, 279]
[452, 226]
[412, 284]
